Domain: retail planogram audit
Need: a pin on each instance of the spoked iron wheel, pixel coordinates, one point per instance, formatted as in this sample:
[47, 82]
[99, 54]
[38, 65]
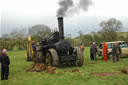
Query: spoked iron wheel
[80, 57]
[48, 59]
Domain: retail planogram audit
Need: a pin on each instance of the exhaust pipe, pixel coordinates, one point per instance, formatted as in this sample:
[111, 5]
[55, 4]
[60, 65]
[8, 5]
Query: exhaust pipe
[61, 30]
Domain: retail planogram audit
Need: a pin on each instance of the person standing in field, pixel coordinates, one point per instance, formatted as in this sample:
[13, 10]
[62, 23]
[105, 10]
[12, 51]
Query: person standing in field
[81, 47]
[105, 51]
[93, 51]
[116, 51]
[4, 65]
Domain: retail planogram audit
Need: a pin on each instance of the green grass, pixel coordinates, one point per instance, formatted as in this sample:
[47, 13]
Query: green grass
[19, 76]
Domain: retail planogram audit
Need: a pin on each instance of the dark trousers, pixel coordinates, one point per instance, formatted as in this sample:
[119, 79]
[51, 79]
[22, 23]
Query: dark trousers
[4, 72]
[92, 56]
[116, 58]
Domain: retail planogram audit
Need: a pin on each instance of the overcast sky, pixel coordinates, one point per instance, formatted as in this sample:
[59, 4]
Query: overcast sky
[18, 14]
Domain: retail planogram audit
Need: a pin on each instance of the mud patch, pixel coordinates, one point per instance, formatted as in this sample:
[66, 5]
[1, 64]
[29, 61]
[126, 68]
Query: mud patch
[75, 70]
[105, 74]
[51, 70]
[38, 67]
[124, 70]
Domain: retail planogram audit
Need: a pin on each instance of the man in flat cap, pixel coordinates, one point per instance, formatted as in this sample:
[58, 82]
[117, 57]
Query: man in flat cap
[4, 59]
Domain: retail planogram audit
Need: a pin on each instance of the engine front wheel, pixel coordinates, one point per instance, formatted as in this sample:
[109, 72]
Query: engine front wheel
[48, 59]
[52, 58]
[55, 57]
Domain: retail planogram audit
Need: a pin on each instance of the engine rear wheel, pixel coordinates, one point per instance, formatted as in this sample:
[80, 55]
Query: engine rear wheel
[80, 57]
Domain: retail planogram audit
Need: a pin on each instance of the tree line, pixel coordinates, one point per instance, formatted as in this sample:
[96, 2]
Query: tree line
[110, 31]
[17, 39]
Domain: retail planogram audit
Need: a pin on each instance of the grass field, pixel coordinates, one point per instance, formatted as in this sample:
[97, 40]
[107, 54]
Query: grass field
[19, 76]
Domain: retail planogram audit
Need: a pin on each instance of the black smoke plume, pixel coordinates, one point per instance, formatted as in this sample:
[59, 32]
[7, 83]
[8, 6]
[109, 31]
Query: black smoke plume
[68, 7]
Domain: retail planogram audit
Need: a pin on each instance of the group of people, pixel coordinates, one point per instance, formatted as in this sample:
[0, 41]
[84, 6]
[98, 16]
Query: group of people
[4, 61]
[116, 51]
[94, 50]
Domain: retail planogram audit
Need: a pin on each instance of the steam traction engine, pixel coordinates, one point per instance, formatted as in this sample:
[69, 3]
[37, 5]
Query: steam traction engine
[55, 50]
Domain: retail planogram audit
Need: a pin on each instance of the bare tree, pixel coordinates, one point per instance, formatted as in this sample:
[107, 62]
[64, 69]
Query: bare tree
[18, 34]
[39, 31]
[5, 36]
[110, 28]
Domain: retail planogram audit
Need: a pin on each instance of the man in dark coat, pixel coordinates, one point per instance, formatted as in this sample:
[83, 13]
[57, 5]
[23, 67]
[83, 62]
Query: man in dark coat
[93, 51]
[4, 59]
[116, 51]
